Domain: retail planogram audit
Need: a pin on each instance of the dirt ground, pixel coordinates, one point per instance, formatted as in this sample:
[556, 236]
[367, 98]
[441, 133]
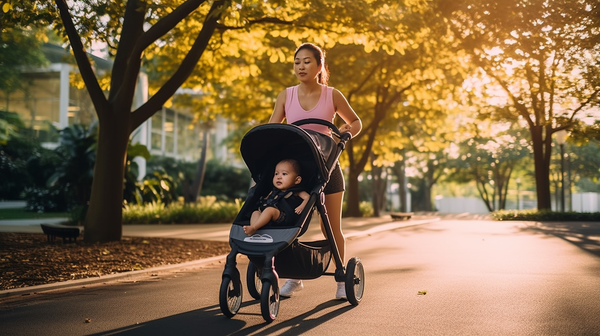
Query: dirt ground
[29, 259]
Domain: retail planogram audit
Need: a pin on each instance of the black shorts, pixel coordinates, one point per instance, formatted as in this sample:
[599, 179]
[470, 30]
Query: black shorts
[336, 182]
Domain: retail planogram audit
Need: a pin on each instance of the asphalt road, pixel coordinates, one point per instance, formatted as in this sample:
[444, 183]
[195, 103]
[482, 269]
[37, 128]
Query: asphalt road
[448, 277]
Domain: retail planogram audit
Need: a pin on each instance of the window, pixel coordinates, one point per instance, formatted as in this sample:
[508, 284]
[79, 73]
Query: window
[169, 129]
[156, 133]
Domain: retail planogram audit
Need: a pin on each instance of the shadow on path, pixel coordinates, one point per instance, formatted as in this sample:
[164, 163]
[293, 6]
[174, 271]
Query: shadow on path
[585, 235]
[210, 321]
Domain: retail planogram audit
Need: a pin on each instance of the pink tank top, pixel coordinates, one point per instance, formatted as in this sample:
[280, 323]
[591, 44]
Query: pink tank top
[324, 109]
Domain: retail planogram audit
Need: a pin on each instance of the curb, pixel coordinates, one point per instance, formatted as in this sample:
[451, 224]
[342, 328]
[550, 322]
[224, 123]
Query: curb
[104, 279]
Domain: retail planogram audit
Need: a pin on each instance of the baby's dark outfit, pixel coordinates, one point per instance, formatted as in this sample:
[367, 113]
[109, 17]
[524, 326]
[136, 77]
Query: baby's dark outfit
[286, 206]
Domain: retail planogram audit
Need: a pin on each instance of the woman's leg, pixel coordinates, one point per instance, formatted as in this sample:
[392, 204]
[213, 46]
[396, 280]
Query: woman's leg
[333, 204]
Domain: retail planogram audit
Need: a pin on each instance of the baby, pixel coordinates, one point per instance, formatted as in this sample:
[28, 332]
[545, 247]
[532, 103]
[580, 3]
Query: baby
[287, 175]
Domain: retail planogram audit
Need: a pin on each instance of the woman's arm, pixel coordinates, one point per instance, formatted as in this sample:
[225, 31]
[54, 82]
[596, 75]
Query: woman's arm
[279, 110]
[343, 108]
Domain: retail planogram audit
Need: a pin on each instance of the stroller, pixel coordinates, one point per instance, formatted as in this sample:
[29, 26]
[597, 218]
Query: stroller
[274, 250]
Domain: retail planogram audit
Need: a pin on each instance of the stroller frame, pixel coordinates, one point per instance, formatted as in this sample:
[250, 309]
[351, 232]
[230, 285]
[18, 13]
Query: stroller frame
[299, 260]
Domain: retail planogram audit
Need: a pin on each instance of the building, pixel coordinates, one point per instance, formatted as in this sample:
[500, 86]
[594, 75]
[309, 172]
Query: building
[50, 102]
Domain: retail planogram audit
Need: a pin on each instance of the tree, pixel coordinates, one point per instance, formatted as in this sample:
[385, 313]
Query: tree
[583, 161]
[377, 87]
[136, 31]
[384, 62]
[489, 160]
[429, 121]
[543, 57]
[116, 120]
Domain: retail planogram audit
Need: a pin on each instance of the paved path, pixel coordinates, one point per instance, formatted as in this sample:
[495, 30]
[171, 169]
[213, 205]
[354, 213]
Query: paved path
[480, 277]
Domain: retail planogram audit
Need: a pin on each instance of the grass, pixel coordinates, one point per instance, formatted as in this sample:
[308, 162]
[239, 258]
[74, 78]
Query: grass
[19, 213]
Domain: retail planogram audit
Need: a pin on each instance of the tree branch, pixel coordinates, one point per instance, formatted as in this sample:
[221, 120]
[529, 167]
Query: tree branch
[186, 67]
[584, 104]
[137, 41]
[167, 23]
[123, 66]
[85, 68]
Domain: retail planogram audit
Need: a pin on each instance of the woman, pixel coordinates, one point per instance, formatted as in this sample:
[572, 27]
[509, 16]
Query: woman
[312, 98]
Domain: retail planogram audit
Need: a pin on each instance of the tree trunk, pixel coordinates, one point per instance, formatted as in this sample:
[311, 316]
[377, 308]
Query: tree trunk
[399, 171]
[194, 191]
[103, 221]
[504, 192]
[427, 206]
[352, 189]
[481, 189]
[378, 190]
[353, 197]
[541, 160]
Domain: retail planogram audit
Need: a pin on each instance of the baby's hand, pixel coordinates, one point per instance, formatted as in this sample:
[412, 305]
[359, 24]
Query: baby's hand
[299, 209]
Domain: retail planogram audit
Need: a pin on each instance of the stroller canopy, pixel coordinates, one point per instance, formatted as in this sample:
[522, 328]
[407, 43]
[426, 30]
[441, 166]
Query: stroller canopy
[265, 145]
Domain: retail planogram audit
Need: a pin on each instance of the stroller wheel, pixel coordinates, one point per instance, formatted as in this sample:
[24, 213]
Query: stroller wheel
[253, 281]
[269, 301]
[230, 296]
[355, 281]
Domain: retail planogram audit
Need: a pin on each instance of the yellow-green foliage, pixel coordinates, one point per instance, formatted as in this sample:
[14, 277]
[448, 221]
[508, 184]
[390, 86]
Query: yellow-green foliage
[206, 210]
[366, 209]
[545, 215]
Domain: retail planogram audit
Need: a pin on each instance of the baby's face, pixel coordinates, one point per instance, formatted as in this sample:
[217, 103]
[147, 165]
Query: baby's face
[285, 177]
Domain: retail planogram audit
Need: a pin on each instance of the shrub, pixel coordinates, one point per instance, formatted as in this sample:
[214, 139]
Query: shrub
[45, 200]
[24, 163]
[545, 215]
[206, 210]
[74, 174]
[225, 182]
[14, 176]
[365, 208]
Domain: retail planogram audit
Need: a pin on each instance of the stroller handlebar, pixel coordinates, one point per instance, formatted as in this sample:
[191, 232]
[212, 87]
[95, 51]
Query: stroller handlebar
[342, 136]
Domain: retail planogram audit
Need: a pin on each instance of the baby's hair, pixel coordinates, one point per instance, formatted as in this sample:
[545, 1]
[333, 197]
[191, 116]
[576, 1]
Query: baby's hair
[295, 165]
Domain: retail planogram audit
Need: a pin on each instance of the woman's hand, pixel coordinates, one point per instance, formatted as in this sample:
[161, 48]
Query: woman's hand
[345, 128]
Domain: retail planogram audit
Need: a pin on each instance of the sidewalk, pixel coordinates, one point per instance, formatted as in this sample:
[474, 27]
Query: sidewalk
[220, 232]
[352, 227]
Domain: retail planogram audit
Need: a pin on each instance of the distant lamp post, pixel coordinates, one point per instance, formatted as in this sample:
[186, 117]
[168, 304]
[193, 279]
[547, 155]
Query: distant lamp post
[518, 181]
[561, 138]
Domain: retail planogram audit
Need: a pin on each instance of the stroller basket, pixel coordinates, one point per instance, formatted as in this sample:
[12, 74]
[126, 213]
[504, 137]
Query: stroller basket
[304, 260]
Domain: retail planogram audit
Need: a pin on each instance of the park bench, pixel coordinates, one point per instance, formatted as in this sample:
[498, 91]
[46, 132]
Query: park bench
[401, 215]
[68, 234]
